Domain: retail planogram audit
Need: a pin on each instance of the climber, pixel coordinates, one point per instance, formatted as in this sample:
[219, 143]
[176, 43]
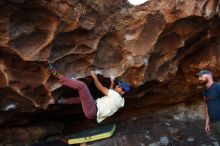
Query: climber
[212, 100]
[94, 109]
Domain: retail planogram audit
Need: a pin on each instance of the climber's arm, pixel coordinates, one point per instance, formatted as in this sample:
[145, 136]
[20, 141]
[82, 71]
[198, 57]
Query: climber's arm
[98, 84]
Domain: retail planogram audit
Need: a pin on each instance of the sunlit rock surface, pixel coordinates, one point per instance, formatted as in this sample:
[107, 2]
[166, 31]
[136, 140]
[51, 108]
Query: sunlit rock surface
[157, 47]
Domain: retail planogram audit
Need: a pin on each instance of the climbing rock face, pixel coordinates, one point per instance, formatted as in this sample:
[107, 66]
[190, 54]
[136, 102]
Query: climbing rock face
[157, 47]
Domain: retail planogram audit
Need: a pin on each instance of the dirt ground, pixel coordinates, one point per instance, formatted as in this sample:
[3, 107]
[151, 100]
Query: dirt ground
[158, 131]
[180, 125]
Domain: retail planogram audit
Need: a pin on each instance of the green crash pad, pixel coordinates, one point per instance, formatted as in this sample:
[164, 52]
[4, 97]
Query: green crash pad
[91, 134]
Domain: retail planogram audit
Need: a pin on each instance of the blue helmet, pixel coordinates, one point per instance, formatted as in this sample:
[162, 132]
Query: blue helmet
[125, 86]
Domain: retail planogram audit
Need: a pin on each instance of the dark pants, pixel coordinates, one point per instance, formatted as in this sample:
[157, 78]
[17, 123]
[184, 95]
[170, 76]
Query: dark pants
[216, 129]
[85, 97]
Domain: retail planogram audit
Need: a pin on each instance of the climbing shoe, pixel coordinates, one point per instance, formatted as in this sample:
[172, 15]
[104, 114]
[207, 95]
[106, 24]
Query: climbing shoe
[60, 101]
[53, 70]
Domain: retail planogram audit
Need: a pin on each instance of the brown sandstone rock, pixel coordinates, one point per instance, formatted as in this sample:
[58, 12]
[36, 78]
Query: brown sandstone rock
[157, 47]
